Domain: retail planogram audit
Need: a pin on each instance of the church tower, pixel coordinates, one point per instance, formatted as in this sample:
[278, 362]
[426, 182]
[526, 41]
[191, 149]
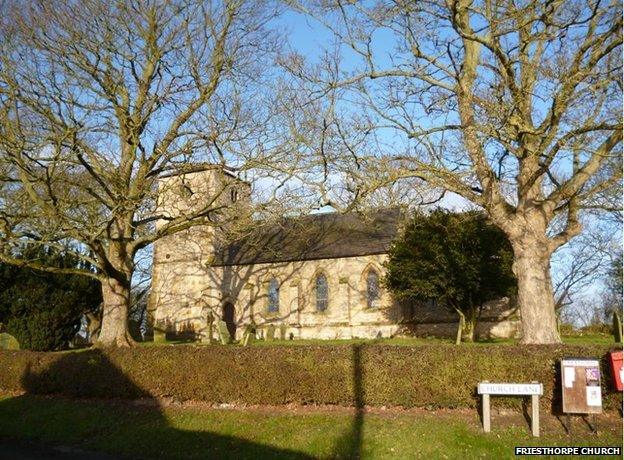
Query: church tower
[183, 286]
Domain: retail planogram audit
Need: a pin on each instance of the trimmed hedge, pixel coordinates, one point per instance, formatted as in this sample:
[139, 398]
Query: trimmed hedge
[376, 375]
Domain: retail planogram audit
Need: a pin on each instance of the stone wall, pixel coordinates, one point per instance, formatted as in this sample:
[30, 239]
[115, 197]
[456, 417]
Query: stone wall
[189, 290]
[207, 290]
[181, 289]
[346, 316]
[498, 319]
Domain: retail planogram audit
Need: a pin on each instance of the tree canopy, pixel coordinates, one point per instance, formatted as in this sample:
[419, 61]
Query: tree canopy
[458, 259]
[43, 310]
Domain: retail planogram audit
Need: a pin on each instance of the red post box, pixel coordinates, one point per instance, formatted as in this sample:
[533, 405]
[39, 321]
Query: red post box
[615, 359]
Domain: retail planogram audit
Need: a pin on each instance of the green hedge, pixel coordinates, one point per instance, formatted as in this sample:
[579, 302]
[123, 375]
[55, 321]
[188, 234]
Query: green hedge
[375, 375]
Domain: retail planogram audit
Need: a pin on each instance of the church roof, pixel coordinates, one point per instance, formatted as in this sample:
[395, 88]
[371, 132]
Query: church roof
[315, 236]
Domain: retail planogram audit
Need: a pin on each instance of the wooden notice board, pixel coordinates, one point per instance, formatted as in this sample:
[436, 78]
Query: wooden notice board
[580, 386]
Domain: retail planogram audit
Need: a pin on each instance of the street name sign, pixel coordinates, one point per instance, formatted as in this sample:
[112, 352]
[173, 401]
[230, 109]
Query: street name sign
[533, 389]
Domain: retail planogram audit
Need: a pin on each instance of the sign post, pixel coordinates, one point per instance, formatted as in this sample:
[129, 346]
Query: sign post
[486, 412]
[534, 389]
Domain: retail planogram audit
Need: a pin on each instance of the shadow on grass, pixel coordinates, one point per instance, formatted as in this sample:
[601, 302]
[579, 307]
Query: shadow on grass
[91, 375]
[101, 427]
[350, 444]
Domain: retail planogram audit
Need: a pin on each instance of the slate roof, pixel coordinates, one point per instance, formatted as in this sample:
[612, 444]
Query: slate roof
[315, 236]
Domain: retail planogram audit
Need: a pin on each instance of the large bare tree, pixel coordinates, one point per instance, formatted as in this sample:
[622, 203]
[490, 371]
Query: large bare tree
[99, 99]
[514, 105]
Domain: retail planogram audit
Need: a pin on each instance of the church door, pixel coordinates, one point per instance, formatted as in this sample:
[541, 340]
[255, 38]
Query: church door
[228, 317]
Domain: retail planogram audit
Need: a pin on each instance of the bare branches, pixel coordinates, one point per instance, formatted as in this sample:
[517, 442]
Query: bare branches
[583, 174]
[514, 106]
[539, 81]
[98, 100]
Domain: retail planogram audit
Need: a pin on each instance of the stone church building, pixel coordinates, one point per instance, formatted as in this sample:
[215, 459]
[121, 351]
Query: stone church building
[311, 277]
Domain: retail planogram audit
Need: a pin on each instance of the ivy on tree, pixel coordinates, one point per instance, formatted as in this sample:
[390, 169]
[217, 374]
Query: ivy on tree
[459, 259]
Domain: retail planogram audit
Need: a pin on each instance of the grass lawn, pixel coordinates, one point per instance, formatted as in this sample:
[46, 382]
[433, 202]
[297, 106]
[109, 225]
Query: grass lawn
[177, 431]
[588, 339]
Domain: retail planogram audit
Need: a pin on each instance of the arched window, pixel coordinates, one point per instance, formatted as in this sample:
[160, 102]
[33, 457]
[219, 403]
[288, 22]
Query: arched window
[372, 288]
[322, 297]
[273, 296]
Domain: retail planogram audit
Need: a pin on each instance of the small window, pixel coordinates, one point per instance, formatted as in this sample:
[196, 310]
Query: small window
[234, 195]
[322, 299]
[273, 296]
[372, 289]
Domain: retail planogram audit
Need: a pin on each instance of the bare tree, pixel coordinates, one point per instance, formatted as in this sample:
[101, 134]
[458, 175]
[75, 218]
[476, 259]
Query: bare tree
[584, 313]
[514, 106]
[100, 99]
[583, 265]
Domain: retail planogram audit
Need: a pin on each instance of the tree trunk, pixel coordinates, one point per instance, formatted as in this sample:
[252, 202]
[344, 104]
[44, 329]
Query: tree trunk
[94, 324]
[467, 326]
[536, 300]
[460, 327]
[116, 303]
[470, 326]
